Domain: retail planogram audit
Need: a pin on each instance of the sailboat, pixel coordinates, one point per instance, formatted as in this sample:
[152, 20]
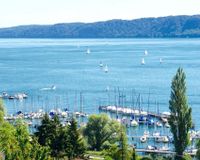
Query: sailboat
[143, 61]
[145, 52]
[106, 69]
[161, 61]
[101, 64]
[88, 51]
[134, 123]
[107, 88]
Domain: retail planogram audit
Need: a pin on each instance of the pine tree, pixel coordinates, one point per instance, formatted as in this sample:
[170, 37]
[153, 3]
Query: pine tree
[48, 132]
[180, 119]
[74, 146]
[43, 131]
[39, 152]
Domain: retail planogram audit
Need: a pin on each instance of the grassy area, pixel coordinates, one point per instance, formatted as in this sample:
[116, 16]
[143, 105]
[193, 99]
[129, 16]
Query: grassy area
[95, 155]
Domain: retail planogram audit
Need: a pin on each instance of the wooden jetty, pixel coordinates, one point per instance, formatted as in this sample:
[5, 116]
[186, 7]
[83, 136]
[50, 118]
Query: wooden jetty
[161, 151]
[127, 111]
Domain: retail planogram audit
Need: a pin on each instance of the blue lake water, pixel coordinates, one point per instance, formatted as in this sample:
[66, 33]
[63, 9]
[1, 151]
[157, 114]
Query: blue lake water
[27, 65]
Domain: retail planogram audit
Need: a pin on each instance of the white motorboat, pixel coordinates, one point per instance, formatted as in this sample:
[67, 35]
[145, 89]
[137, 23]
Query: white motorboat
[149, 147]
[146, 133]
[159, 124]
[134, 123]
[143, 139]
[53, 87]
[4, 95]
[156, 134]
[163, 139]
[19, 96]
[164, 120]
[164, 148]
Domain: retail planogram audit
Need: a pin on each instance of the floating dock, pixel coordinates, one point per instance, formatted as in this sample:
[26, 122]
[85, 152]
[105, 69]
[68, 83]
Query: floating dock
[127, 111]
[161, 151]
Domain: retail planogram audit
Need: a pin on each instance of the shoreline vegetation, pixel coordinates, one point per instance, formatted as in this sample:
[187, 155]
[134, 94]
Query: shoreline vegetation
[161, 27]
[100, 138]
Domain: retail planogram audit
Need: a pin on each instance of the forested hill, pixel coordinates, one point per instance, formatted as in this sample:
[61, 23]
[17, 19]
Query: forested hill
[172, 26]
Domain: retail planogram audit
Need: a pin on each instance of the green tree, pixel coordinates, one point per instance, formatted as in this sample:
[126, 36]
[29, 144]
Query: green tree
[123, 149]
[2, 108]
[146, 158]
[112, 151]
[180, 119]
[2, 111]
[187, 157]
[134, 155]
[101, 129]
[120, 150]
[8, 142]
[23, 138]
[48, 132]
[16, 142]
[1, 117]
[75, 145]
[39, 152]
[44, 131]
[198, 150]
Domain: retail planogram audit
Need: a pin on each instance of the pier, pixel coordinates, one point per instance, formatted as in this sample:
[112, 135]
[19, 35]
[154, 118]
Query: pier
[142, 150]
[127, 111]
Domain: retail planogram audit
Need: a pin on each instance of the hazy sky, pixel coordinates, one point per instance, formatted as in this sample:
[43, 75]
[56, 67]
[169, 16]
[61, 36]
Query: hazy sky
[20, 12]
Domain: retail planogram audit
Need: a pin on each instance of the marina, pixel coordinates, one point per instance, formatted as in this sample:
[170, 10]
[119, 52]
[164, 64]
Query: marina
[135, 95]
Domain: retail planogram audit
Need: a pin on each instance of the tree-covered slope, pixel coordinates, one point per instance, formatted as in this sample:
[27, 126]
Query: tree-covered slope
[172, 26]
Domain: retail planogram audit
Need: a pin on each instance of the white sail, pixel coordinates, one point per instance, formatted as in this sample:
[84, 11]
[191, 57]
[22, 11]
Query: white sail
[145, 52]
[143, 61]
[161, 61]
[88, 51]
[100, 64]
[106, 69]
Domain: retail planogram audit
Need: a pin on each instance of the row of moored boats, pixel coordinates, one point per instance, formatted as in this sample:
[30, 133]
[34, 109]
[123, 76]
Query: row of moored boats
[19, 96]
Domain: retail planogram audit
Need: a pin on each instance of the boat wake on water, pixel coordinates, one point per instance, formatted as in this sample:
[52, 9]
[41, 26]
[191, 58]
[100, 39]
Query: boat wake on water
[48, 88]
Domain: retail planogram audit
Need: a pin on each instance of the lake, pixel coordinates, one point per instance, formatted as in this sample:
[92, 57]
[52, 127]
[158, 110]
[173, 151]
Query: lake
[33, 66]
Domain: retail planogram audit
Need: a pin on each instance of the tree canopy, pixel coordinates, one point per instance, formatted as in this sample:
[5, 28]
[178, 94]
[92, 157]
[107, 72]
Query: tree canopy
[101, 129]
[180, 119]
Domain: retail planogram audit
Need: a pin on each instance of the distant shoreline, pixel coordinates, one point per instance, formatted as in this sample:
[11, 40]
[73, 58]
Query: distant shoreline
[110, 38]
[162, 27]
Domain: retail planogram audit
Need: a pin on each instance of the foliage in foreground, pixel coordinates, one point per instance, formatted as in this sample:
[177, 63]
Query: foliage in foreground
[198, 151]
[62, 141]
[16, 142]
[101, 131]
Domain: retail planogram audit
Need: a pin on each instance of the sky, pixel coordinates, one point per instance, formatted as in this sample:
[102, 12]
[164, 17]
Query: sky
[23, 12]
